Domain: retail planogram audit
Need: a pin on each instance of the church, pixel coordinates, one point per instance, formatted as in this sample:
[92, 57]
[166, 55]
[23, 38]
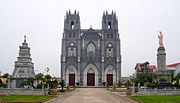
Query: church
[91, 57]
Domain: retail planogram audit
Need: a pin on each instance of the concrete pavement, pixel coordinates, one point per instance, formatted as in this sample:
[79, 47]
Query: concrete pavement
[91, 95]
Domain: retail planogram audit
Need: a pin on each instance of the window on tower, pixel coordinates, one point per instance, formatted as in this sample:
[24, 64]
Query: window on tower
[72, 50]
[72, 25]
[109, 50]
[109, 25]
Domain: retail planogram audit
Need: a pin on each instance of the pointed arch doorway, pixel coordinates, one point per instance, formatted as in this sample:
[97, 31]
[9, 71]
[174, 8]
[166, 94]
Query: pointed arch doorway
[90, 75]
[110, 75]
[71, 75]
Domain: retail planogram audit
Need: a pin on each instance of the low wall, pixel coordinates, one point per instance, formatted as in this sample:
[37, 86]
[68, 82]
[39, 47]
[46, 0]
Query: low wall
[22, 91]
[158, 92]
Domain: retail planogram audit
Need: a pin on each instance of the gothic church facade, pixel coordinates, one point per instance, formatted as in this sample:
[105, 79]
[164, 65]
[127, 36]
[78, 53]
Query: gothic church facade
[91, 57]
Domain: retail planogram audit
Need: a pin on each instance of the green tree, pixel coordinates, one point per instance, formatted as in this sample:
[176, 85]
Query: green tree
[176, 80]
[54, 84]
[62, 83]
[154, 77]
[5, 75]
[40, 80]
[178, 76]
[48, 77]
[29, 81]
[152, 85]
[142, 79]
[48, 81]
[162, 80]
[149, 79]
[1, 83]
[39, 76]
[127, 84]
[24, 83]
[119, 84]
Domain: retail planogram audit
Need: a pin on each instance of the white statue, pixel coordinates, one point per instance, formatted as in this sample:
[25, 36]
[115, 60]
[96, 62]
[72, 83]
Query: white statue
[160, 36]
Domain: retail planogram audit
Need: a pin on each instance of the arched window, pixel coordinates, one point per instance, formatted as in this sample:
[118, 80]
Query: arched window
[109, 25]
[72, 25]
[91, 50]
[72, 50]
[109, 50]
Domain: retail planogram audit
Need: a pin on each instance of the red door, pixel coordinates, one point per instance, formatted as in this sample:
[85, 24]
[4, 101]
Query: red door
[90, 79]
[110, 79]
[71, 79]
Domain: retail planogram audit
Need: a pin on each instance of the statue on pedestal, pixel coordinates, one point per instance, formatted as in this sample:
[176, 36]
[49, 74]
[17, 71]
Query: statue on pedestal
[162, 73]
[160, 36]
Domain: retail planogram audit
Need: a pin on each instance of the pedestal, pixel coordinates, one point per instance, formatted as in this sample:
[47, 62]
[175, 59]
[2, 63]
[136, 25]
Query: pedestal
[162, 72]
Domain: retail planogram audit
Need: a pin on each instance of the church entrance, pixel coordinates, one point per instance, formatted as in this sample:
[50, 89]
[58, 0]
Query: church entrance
[90, 79]
[71, 76]
[110, 79]
[90, 75]
[71, 79]
[110, 75]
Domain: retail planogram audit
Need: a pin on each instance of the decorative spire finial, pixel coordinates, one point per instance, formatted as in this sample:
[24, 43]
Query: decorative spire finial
[103, 12]
[69, 11]
[90, 26]
[24, 38]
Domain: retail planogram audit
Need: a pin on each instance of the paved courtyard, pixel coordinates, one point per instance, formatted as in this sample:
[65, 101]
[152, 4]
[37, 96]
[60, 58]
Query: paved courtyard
[91, 95]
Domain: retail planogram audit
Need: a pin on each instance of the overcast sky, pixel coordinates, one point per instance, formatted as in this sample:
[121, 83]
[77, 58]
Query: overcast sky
[42, 22]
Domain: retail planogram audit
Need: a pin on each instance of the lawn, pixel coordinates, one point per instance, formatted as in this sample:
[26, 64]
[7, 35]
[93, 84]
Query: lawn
[157, 99]
[23, 98]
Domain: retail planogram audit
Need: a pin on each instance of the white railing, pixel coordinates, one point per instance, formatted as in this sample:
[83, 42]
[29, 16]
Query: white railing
[23, 91]
[159, 91]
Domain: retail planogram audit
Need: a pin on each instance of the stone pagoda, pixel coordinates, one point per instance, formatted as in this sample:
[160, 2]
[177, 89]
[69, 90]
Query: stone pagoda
[162, 72]
[24, 68]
